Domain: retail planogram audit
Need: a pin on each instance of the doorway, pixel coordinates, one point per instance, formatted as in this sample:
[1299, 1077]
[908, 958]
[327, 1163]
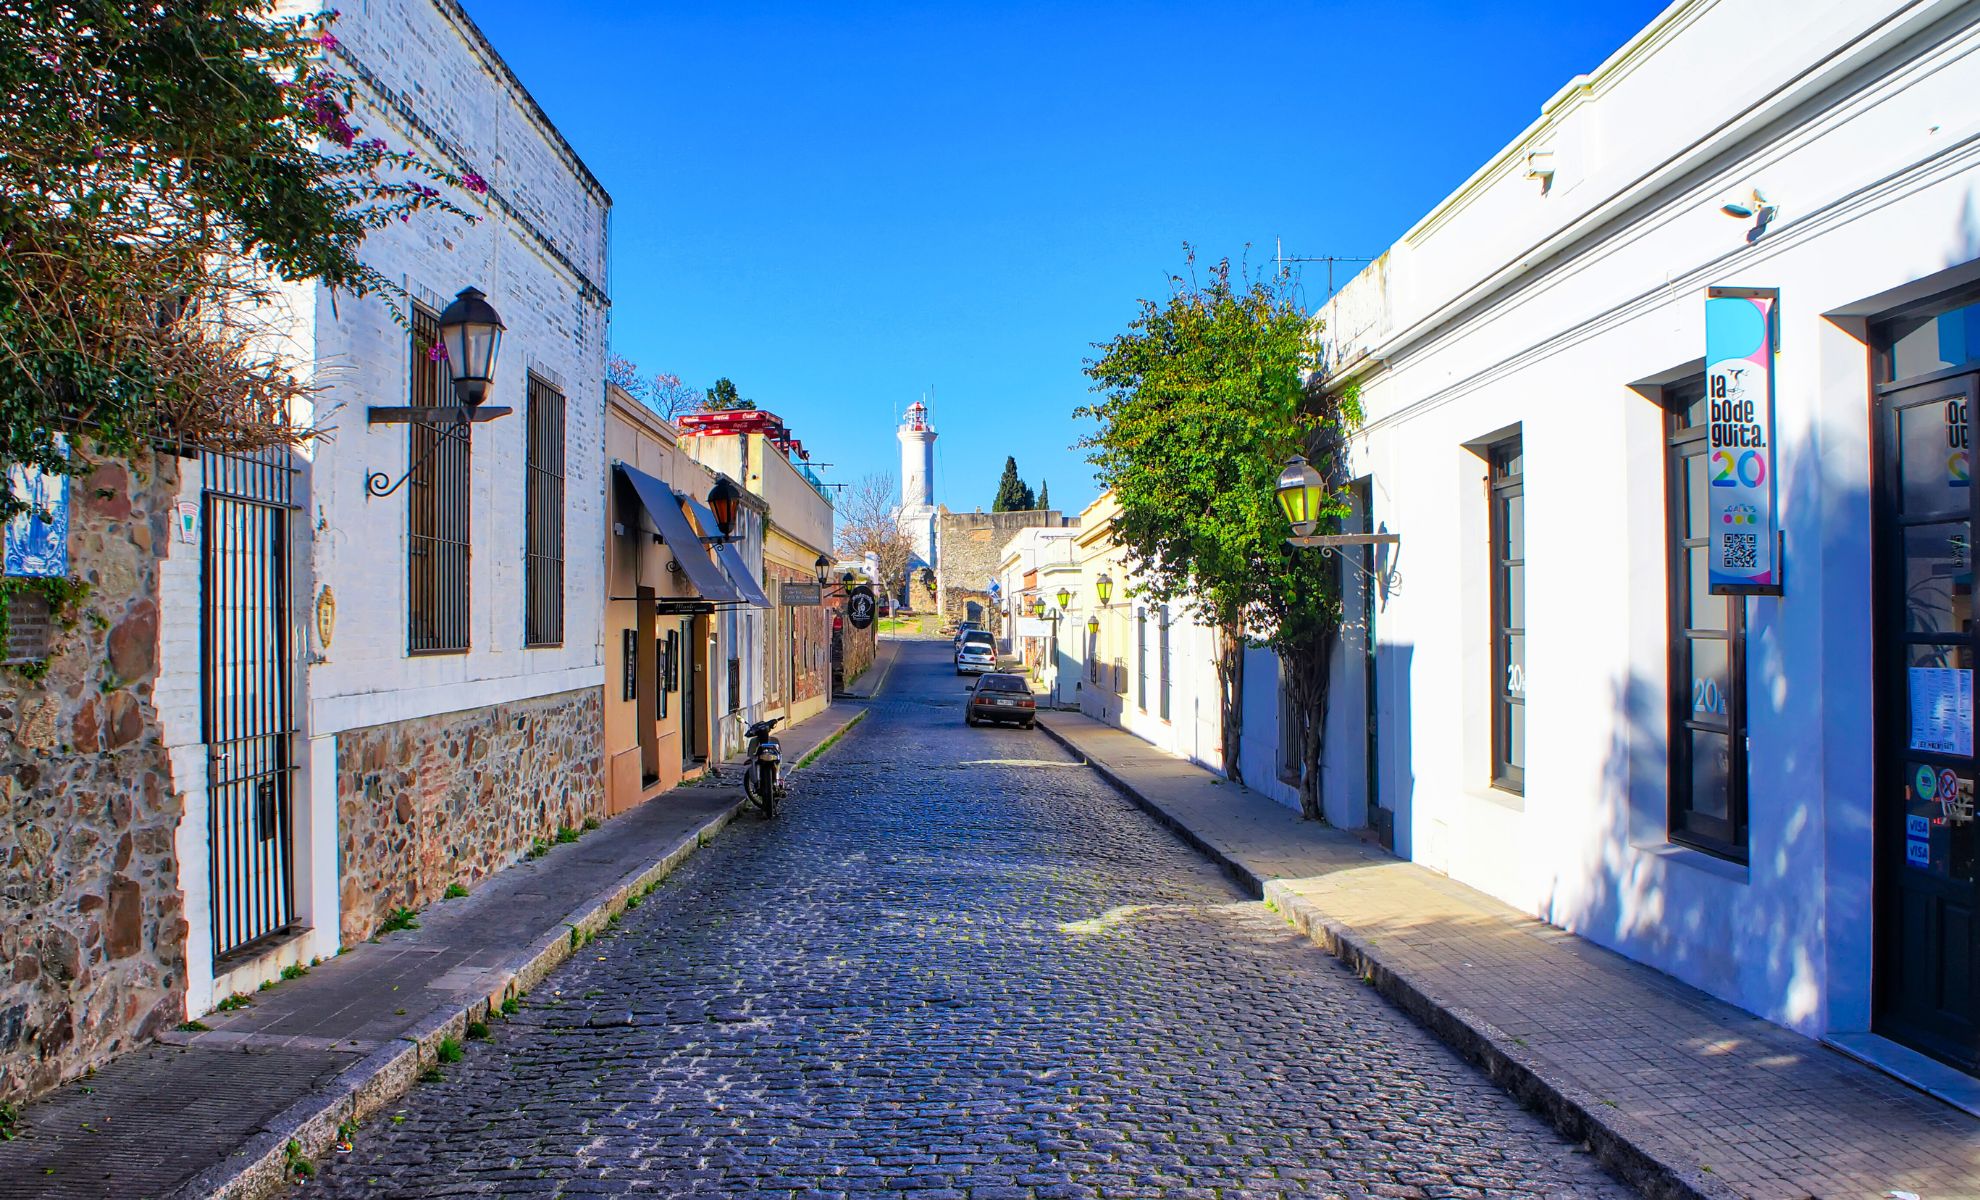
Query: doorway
[1927, 935]
[248, 697]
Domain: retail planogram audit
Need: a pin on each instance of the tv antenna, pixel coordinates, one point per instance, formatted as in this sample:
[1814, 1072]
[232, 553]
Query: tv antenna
[1281, 258]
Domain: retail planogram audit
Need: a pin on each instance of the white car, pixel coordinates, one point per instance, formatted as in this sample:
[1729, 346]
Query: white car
[976, 652]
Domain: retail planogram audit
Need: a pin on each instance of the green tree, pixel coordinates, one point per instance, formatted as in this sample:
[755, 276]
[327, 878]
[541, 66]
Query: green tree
[1012, 493]
[1044, 494]
[165, 169]
[1203, 400]
[723, 397]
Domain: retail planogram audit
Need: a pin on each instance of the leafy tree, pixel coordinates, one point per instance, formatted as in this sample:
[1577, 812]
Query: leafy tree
[868, 518]
[1204, 398]
[723, 397]
[1013, 495]
[165, 169]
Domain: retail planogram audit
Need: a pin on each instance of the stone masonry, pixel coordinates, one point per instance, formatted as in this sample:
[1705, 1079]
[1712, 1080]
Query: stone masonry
[92, 929]
[970, 546]
[454, 798]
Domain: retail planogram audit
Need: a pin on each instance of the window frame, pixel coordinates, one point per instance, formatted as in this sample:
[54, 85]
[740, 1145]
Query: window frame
[1726, 837]
[1163, 660]
[1141, 659]
[439, 558]
[1502, 485]
[543, 514]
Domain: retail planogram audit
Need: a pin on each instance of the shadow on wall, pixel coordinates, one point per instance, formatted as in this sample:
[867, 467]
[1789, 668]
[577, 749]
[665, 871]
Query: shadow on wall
[1756, 933]
[1395, 777]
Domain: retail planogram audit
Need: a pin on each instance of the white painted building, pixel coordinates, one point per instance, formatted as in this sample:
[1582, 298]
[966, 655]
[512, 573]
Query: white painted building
[1144, 665]
[423, 672]
[1726, 788]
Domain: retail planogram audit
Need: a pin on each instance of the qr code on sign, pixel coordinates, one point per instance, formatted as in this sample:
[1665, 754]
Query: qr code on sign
[1742, 551]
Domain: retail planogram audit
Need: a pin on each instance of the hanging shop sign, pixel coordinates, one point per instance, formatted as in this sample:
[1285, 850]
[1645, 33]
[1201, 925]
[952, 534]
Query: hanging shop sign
[860, 606]
[800, 595]
[629, 648]
[1741, 332]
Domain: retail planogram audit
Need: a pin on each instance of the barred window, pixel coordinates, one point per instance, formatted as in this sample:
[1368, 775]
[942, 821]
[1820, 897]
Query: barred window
[438, 494]
[543, 491]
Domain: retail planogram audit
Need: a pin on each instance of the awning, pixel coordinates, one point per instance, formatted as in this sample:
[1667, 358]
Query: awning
[732, 562]
[663, 505]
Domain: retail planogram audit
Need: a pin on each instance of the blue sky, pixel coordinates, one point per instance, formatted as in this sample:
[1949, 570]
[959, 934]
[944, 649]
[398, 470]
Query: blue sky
[842, 206]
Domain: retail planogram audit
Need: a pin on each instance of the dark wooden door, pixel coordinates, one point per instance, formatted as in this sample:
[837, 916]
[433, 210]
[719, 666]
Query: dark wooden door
[1928, 960]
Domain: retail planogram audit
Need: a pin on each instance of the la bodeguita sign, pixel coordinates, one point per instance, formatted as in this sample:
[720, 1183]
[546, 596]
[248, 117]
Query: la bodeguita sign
[1744, 555]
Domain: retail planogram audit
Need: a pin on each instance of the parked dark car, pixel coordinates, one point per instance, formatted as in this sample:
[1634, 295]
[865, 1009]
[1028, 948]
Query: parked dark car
[1000, 698]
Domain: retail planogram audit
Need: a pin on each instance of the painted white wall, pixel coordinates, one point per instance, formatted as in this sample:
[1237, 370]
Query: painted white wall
[1510, 307]
[539, 252]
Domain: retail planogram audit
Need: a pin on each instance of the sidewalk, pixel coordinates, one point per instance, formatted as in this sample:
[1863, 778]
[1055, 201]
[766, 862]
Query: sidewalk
[207, 1113]
[1678, 1093]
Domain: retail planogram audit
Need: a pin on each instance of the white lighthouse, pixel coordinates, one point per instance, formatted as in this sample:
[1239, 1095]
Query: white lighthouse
[917, 515]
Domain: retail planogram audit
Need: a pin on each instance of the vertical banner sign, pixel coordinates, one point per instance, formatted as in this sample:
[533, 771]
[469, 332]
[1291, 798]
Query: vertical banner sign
[1740, 462]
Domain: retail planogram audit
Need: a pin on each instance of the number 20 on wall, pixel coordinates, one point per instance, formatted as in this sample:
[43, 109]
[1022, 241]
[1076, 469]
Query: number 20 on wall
[1749, 469]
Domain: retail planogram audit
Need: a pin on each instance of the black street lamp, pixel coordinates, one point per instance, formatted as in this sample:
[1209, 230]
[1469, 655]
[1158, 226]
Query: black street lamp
[824, 564]
[470, 338]
[471, 330]
[1104, 587]
[723, 500]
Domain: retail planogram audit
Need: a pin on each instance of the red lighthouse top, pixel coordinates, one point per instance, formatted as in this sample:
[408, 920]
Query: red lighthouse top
[917, 416]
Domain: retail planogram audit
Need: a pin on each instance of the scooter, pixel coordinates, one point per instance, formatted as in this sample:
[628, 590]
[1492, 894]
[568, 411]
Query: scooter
[761, 756]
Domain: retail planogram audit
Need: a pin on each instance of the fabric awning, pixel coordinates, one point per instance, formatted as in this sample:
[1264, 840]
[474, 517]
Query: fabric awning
[663, 506]
[732, 562]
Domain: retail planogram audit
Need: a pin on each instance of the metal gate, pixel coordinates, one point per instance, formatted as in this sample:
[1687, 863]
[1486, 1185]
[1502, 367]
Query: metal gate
[248, 696]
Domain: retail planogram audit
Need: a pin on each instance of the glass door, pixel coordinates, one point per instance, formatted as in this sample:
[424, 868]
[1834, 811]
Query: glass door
[1928, 977]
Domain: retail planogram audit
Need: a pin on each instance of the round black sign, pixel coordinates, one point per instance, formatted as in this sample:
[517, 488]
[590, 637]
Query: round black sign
[859, 607]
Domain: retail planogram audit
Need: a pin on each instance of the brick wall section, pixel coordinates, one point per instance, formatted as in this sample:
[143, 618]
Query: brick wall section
[451, 799]
[969, 548]
[92, 932]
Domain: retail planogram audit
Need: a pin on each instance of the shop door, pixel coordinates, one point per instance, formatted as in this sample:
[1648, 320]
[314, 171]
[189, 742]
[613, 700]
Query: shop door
[1928, 941]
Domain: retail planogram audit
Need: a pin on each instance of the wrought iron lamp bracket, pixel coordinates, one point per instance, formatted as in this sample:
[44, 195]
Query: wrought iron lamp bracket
[377, 484]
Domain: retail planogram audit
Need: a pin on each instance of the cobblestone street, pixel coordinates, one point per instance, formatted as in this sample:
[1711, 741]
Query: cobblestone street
[957, 965]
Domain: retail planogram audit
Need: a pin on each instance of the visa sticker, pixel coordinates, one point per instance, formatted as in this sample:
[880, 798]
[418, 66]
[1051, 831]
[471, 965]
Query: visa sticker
[1917, 853]
[1917, 826]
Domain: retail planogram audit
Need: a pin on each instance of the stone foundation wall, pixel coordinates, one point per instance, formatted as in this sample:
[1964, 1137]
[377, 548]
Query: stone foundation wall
[92, 926]
[454, 798]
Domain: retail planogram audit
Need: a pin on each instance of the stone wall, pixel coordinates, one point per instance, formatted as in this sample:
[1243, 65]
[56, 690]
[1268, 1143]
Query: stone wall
[456, 797]
[857, 646]
[92, 930]
[970, 552]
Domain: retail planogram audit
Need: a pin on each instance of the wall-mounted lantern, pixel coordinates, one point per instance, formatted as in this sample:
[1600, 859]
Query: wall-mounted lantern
[470, 339]
[1301, 493]
[1065, 597]
[1104, 587]
[723, 501]
[471, 331]
[1093, 625]
[824, 566]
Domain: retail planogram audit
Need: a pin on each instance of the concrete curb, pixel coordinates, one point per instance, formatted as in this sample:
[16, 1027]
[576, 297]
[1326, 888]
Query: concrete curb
[261, 1166]
[1616, 1141]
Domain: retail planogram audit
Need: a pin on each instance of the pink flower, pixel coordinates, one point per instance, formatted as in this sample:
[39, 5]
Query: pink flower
[327, 40]
[439, 351]
[375, 144]
[474, 183]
